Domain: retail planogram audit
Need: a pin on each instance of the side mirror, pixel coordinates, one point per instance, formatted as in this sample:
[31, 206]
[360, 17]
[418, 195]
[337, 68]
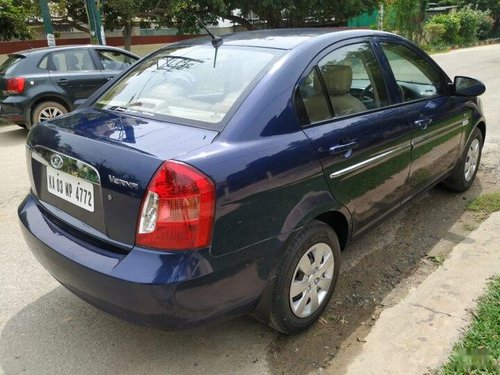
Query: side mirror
[465, 86]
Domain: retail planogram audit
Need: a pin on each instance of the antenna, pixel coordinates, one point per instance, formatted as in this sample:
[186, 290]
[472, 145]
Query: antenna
[217, 41]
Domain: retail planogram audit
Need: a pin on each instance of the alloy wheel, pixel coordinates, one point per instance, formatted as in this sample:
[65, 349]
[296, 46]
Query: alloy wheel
[311, 280]
[471, 160]
[48, 113]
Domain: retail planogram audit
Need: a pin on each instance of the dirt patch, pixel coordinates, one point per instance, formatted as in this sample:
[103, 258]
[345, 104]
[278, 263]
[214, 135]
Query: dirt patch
[412, 242]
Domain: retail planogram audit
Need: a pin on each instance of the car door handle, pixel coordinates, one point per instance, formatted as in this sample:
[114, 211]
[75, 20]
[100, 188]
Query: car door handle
[110, 78]
[63, 81]
[343, 148]
[423, 123]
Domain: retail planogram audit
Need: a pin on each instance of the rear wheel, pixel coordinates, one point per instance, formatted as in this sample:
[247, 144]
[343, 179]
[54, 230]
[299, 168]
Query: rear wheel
[48, 110]
[307, 278]
[465, 172]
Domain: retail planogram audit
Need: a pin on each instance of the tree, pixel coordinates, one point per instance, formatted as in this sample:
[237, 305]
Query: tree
[13, 20]
[407, 17]
[299, 13]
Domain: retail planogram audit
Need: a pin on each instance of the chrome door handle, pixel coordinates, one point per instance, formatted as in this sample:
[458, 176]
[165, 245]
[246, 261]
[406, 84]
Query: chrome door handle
[343, 148]
[423, 123]
[110, 78]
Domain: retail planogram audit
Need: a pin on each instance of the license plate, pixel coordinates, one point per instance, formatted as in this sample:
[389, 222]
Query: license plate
[70, 188]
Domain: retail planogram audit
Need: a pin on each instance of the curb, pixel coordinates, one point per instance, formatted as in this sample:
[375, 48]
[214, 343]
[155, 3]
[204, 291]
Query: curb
[417, 334]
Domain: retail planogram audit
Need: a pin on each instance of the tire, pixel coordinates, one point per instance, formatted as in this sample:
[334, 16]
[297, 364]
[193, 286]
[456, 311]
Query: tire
[293, 308]
[464, 173]
[47, 110]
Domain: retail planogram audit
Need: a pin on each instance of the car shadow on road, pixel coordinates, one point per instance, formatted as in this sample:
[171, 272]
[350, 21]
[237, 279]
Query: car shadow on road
[59, 333]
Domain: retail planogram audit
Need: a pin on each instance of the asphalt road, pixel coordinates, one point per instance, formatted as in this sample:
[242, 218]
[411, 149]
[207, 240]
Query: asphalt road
[44, 329]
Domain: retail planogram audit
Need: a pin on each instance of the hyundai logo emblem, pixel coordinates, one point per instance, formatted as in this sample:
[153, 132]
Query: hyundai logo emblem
[56, 161]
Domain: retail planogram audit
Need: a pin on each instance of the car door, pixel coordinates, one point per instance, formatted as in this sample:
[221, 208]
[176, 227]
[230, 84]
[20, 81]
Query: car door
[362, 143]
[437, 119]
[73, 71]
[113, 61]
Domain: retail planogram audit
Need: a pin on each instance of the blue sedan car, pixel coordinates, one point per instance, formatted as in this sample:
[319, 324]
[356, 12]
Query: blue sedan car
[216, 178]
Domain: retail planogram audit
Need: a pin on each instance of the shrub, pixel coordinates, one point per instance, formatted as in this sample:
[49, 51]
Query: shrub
[469, 23]
[466, 26]
[451, 25]
[485, 27]
[434, 33]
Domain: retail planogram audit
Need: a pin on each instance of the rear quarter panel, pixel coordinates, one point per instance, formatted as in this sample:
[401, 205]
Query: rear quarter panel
[268, 178]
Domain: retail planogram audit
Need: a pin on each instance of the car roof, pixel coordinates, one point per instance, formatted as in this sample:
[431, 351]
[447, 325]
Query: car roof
[41, 50]
[286, 38]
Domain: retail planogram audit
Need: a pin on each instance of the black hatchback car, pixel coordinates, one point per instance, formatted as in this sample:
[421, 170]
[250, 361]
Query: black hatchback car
[42, 83]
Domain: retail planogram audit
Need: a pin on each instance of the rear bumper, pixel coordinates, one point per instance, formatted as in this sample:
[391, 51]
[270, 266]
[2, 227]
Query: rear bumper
[15, 109]
[170, 290]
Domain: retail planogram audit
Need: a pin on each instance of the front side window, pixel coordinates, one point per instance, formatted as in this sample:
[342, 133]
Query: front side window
[72, 60]
[194, 83]
[416, 77]
[114, 60]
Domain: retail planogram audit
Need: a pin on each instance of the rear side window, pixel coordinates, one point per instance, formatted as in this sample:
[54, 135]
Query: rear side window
[44, 63]
[345, 82]
[312, 97]
[415, 76]
[72, 60]
[8, 65]
[115, 60]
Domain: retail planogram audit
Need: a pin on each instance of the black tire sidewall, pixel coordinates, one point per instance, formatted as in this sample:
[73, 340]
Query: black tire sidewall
[283, 318]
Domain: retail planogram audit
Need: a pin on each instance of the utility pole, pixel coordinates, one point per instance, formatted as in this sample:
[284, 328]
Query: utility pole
[95, 22]
[47, 23]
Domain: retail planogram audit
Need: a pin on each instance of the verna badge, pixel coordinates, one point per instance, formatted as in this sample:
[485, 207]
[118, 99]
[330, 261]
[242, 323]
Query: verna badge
[56, 161]
[119, 181]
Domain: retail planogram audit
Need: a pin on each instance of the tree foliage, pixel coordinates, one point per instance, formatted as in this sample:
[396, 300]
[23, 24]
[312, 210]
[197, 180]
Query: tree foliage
[493, 6]
[184, 14]
[406, 17]
[13, 20]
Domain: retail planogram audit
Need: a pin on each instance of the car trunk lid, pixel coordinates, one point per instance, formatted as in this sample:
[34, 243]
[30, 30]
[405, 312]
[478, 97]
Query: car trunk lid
[90, 169]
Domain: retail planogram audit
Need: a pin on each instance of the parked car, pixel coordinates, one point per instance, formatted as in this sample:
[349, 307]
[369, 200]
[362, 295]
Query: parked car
[43, 83]
[214, 180]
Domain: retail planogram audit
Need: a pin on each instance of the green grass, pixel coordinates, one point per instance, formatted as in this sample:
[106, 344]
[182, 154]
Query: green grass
[485, 205]
[479, 350]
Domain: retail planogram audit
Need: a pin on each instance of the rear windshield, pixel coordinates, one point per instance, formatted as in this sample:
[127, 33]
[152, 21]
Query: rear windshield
[193, 84]
[8, 65]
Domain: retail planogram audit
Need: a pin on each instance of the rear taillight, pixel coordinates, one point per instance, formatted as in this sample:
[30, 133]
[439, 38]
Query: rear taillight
[15, 85]
[178, 209]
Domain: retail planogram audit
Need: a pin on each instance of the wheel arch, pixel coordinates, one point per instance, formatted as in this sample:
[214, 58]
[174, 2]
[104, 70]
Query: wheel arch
[339, 223]
[481, 125]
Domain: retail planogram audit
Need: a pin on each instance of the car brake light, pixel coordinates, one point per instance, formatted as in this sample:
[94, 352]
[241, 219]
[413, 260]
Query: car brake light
[15, 85]
[177, 211]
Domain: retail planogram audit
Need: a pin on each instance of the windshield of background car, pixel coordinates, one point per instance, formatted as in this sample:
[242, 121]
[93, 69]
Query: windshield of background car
[9, 64]
[190, 84]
